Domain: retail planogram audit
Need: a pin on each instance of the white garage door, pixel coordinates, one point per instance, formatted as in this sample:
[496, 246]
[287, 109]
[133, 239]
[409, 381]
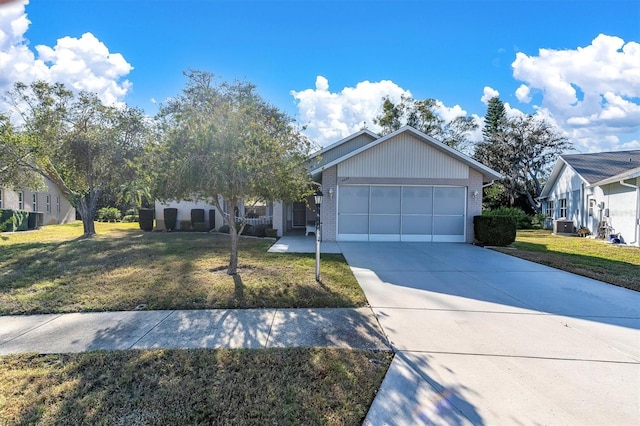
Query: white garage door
[401, 213]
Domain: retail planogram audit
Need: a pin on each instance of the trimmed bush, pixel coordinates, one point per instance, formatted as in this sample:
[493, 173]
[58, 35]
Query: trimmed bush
[271, 233]
[197, 215]
[212, 219]
[523, 220]
[185, 225]
[14, 220]
[131, 218]
[146, 219]
[224, 229]
[170, 218]
[494, 230]
[259, 230]
[200, 227]
[109, 214]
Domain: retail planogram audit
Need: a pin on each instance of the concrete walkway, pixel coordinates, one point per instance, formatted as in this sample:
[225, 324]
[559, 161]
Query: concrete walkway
[302, 244]
[488, 339]
[246, 328]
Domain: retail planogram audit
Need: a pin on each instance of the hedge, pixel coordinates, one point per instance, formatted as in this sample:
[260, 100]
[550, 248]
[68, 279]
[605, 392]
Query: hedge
[495, 230]
[13, 220]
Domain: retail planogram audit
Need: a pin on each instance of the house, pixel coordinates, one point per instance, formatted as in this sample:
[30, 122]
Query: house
[405, 186]
[51, 202]
[597, 191]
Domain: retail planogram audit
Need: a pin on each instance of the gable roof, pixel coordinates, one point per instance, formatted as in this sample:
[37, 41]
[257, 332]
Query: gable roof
[343, 146]
[487, 173]
[596, 168]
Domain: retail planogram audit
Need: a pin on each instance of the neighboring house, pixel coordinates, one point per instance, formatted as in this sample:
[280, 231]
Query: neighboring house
[596, 191]
[184, 212]
[405, 186]
[50, 201]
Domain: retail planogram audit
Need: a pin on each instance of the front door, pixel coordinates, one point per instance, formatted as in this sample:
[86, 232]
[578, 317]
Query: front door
[299, 214]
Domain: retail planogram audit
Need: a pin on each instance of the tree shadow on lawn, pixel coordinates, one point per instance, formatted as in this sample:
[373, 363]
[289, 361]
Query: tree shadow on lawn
[160, 271]
[286, 386]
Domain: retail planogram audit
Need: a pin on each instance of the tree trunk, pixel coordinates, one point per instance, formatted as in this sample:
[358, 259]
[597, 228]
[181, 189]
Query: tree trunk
[87, 209]
[233, 257]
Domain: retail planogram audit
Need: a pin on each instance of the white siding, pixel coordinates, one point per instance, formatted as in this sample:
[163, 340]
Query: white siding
[184, 212]
[621, 202]
[403, 156]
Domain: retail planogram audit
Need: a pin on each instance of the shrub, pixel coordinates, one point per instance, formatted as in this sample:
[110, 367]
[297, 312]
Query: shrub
[200, 226]
[523, 220]
[537, 221]
[13, 220]
[109, 214]
[146, 219]
[495, 230]
[185, 225]
[259, 230]
[224, 229]
[131, 218]
[170, 218]
[271, 233]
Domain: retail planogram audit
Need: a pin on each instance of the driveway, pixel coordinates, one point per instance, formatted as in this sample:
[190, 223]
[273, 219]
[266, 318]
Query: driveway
[486, 338]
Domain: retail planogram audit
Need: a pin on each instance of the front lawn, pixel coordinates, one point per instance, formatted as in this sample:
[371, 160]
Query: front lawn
[619, 265]
[173, 387]
[52, 270]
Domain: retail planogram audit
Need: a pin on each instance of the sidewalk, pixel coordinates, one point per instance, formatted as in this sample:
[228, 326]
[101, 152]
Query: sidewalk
[219, 328]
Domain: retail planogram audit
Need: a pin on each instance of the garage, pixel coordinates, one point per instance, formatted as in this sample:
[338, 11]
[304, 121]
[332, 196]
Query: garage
[401, 213]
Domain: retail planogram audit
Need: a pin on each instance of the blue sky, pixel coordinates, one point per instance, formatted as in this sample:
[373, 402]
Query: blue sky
[328, 63]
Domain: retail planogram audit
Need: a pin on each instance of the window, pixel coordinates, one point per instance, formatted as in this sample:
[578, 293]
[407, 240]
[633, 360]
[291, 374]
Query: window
[34, 202]
[0, 198]
[58, 203]
[549, 211]
[20, 200]
[563, 208]
[48, 203]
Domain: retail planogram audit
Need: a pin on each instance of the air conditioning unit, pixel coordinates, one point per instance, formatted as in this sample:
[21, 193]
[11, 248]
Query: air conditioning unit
[563, 227]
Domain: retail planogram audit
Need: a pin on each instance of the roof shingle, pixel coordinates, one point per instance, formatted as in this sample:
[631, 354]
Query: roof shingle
[602, 165]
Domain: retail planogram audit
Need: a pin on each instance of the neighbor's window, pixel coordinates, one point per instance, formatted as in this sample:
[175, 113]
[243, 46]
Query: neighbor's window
[34, 203]
[20, 200]
[58, 203]
[563, 207]
[549, 211]
[48, 203]
[0, 198]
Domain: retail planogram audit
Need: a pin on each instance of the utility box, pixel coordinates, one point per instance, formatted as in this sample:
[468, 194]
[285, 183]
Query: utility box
[563, 227]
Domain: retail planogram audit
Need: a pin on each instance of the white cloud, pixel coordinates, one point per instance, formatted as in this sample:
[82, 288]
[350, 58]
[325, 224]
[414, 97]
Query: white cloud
[487, 94]
[591, 92]
[523, 93]
[331, 116]
[83, 63]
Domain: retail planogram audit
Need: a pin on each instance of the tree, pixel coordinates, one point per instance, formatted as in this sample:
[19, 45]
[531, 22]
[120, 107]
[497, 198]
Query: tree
[222, 141]
[12, 154]
[521, 148]
[75, 141]
[422, 115]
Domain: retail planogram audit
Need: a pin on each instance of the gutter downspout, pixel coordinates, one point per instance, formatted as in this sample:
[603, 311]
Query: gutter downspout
[488, 184]
[637, 188]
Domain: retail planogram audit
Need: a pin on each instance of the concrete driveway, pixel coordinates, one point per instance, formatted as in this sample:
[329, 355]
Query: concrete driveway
[485, 338]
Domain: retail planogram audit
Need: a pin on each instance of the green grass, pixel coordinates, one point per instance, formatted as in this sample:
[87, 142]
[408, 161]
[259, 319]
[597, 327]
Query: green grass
[53, 270]
[161, 387]
[618, 265]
